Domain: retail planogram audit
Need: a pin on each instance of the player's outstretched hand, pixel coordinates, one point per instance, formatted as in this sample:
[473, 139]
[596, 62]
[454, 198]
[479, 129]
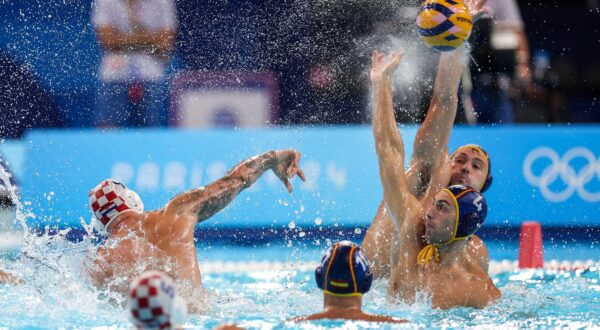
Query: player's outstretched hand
[287, 167]
[477, 8]
[382, 67]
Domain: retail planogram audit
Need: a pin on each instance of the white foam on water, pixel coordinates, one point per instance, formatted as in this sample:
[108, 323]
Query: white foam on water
[10, 237]
[495, 266]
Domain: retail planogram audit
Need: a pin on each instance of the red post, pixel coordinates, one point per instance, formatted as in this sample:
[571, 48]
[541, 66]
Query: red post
[531, 254]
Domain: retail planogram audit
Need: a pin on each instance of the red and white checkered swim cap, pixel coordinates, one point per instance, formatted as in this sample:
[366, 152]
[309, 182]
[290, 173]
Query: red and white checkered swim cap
[109, 199]
[153, 302]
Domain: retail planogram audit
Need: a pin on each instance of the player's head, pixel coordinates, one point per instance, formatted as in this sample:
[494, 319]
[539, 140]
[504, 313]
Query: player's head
[471, 166]
[153, 302]
[108, 200]
[457, 213]
[344, 271]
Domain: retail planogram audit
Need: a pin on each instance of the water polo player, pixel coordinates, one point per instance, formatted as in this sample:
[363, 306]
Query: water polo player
[164, 239]
[446, 216]
[344, 276]
[431, 162]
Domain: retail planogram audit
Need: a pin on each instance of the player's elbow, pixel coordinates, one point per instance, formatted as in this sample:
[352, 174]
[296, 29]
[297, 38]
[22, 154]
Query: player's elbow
[390, 155]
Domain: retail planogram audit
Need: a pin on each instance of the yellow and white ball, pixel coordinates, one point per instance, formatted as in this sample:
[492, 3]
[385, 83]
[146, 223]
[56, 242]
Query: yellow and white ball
[444, 24]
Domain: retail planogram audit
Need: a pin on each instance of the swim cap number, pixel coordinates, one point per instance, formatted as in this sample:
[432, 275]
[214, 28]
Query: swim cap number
[477, 202]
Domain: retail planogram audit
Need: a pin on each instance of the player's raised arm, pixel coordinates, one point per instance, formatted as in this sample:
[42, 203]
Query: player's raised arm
[431, 143]
[204, 202]
[388, 142]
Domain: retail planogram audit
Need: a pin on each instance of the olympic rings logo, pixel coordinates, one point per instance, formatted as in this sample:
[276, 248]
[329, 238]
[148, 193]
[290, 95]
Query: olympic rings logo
[575, 181]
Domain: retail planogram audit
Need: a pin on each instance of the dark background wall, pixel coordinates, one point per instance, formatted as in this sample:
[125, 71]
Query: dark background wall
[319, 50]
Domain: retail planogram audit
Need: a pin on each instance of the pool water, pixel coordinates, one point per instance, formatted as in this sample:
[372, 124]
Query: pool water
[57, 294]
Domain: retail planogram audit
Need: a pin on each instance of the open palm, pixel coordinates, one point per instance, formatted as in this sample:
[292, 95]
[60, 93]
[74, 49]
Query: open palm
[382, 66]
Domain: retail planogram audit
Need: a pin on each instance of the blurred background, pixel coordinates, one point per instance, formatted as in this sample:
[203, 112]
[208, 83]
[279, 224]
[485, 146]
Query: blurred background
[88, 67]
[315, 55]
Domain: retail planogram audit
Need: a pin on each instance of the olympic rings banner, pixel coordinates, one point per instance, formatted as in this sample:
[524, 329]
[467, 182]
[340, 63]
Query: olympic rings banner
[548, 174]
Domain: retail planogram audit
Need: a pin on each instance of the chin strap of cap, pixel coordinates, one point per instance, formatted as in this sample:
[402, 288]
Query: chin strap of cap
[431, 251]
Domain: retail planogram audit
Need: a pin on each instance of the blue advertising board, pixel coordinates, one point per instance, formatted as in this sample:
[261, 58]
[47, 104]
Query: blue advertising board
[548, 174]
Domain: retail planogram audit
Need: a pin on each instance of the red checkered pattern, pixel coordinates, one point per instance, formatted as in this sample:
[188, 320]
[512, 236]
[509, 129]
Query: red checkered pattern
[106, 201]
[149, 301]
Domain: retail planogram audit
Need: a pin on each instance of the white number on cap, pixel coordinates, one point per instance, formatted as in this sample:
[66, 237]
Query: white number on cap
[477, 202]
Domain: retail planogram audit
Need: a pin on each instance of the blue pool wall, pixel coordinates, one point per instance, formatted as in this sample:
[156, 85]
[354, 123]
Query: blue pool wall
[547, 174]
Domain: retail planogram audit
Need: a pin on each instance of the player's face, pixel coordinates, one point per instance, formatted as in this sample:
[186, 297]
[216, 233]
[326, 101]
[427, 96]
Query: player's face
[440, 219]
[469, 168]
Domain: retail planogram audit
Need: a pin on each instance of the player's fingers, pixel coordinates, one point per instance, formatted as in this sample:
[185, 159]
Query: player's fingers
[292, 170]
[288, 185]
[480, 13]
[481, 3]
[301, 174]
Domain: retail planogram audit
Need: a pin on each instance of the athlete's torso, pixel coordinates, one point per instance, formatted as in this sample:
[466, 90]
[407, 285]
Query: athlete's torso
[153, 242]
[446, 286]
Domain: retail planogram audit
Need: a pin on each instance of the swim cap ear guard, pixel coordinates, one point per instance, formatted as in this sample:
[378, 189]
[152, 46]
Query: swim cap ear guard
[471, 210]
[488, 178]
[344, 271]
[108, 200]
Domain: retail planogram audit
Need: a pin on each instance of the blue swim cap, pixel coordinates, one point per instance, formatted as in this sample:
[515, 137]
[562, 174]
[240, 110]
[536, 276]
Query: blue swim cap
[344, 271]
[488, 177]
[471, 210]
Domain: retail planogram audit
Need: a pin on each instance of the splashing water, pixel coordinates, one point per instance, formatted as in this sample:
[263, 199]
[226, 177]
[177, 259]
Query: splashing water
[51, 268]
[11, 239]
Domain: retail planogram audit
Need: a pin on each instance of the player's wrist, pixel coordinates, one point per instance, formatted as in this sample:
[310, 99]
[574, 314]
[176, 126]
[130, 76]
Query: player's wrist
[380, 80]
[271, 159]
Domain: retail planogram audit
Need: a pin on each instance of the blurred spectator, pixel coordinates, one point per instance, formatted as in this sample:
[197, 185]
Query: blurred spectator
[137, 37]
[320, 49]
[220, 35]
[500, 62]
[542, 101]
[23, 102]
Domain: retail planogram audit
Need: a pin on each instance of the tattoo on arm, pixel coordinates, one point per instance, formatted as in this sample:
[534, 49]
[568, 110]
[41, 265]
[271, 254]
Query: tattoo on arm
[207, 201]
[215, 198]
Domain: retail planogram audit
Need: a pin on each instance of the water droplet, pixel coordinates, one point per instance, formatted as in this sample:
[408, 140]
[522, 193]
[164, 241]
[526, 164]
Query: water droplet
[318, 221]
[357, 231]
[292, 225]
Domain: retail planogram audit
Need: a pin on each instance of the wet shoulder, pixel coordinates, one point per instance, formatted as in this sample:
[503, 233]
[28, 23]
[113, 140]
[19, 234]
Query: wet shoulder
[157, 222]
[356, 316]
